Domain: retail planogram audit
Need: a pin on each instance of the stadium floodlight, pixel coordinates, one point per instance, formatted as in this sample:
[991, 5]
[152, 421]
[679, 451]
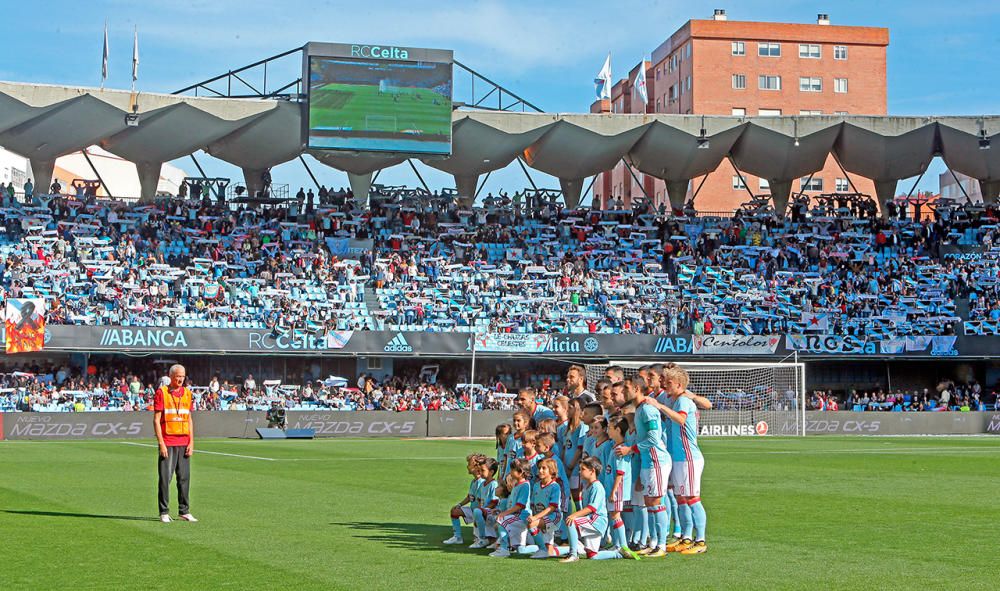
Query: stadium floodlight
[131, 120]
[984, 142]
[795, 123]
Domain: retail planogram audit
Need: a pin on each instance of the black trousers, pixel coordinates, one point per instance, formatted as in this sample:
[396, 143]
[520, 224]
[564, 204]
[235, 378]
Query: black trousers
[174, 462]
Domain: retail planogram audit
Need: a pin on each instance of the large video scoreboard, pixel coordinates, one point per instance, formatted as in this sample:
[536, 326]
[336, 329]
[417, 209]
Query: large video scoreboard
[378, 98]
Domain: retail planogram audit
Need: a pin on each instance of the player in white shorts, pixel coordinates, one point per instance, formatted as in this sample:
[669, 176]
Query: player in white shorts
[688, 465]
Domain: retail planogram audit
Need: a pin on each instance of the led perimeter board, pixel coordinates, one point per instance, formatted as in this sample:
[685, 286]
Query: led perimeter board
[378, 98]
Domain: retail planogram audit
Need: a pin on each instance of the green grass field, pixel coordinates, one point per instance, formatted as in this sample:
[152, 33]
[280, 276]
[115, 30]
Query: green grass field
[362, 108]
[816, 513]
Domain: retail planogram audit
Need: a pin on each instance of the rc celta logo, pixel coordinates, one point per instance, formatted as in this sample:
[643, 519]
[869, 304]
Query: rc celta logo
[386, 53]
[398, 345]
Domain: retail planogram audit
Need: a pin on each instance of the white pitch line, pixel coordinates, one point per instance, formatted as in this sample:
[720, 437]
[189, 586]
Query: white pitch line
[907, 451]
[201, 451]
[382, 459]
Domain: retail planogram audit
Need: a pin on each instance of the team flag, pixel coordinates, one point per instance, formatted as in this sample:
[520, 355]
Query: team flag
[104, 58]
[135, 57]
[639, 86]
[820, 322]
[603, 81]
[24, 326]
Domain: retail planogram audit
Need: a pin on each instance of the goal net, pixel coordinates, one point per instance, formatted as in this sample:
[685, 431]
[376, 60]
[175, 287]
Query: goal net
[381, 123]
[747, 398]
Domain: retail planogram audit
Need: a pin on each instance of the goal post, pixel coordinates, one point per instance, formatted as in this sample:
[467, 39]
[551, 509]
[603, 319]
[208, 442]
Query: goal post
[387, 123]
[747, 398]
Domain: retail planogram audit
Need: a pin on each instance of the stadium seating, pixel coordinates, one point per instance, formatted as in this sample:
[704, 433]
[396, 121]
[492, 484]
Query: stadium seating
[421, 262]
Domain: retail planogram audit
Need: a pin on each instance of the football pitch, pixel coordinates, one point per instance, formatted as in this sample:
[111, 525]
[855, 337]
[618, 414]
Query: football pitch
[783, 513]
[362, 107]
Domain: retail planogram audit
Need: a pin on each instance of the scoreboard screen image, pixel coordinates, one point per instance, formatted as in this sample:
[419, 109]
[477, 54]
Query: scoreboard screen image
[379, 104]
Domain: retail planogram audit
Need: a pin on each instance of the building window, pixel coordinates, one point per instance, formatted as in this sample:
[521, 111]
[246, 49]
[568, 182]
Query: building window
[673, 92]
[769, 49]
[657, 73]
[810, 112]
[769, 82]
[687, 51]
[840, 84]
[841, 113]
[763, 185]
[842, 186]
[739, 81]
[811, 84]
[738, 183]
[375, 363]
[688, 83]
[840, 52]
[739, 48]
[657, 105]
[809, 51]
[811, 184]
[769, 112]
[739, 112]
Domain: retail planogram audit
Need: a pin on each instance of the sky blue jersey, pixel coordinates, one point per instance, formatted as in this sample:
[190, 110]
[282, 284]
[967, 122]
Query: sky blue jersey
[521, 496]
[487, 493]
[511, 451]
[595, 498]
[684, 438]
[474, 491]
[649, 435]
[543, 496]
[577, 438]
[613, 465]
[634, 461]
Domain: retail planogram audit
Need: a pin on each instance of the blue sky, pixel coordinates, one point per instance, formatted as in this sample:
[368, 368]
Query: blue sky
[942, 55]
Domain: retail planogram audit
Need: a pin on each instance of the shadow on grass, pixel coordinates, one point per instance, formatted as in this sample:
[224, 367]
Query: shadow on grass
[84, 515]
[411, 536]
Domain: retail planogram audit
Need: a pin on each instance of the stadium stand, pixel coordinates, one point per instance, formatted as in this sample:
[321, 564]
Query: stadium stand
[418, 261]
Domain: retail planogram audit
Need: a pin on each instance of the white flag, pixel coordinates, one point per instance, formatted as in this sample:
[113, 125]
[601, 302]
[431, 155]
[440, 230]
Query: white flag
[135, 56]
[639, 86]
[819, 322]
[603, 81]
[104, 58]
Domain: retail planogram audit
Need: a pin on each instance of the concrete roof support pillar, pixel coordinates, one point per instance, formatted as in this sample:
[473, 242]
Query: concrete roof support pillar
[361, 186]
[781, 190]
[42, 175]
[990, 189]
[251, 178]
[149, 180]
[885, 191]
[677, 192]
[466, 186]
[572, 190]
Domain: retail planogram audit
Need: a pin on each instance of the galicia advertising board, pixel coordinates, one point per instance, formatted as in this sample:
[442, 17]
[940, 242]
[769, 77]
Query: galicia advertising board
[378, 98]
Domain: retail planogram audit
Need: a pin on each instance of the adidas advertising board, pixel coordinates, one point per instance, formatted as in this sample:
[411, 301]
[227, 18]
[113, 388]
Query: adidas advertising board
[398, 344]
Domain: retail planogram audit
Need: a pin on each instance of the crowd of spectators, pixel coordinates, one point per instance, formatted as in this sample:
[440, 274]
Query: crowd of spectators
[418, 261]
[946, 396]
[58, 388]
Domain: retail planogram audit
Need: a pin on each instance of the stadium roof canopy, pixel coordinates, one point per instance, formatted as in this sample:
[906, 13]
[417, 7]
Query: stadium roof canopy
[43, 122]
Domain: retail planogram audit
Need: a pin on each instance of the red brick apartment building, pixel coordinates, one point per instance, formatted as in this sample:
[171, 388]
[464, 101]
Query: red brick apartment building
[754, 69]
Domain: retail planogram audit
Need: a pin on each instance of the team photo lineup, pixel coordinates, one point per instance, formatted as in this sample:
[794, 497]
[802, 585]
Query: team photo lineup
[296, 304]
[620, 470]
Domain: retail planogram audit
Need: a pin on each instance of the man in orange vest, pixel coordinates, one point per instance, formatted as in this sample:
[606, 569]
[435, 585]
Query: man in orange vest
[175, 435]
